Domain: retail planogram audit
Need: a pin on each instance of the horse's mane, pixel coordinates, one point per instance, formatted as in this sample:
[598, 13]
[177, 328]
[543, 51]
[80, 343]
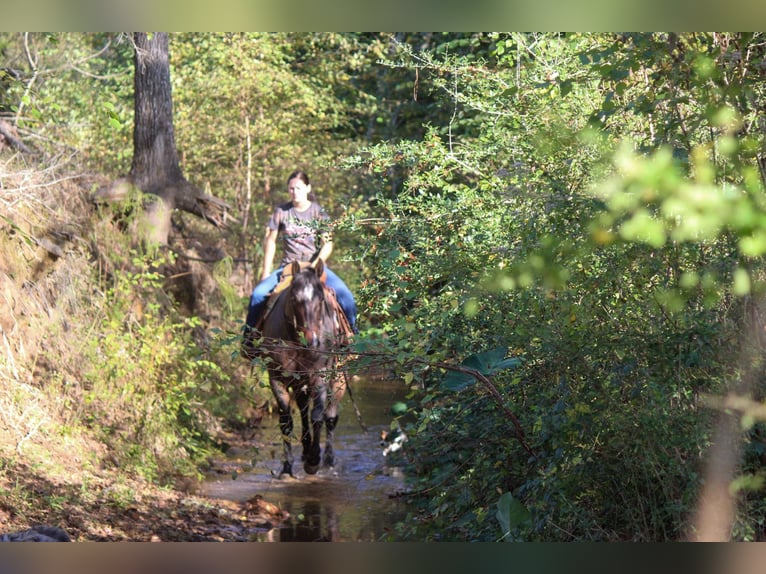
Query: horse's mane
[307, 278]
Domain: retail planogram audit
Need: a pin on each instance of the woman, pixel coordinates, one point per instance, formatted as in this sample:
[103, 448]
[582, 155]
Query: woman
[297, 222]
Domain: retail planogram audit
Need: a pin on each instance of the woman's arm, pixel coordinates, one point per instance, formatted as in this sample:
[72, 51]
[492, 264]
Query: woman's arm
[269, 249]
[325, 250]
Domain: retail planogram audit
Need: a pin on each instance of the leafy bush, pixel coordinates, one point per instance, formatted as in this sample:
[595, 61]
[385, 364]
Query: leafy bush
[500, 237]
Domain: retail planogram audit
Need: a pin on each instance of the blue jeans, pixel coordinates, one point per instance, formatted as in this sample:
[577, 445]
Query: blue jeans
[262, 291]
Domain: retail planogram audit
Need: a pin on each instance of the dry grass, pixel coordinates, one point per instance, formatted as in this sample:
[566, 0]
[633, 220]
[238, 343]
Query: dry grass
[43, 264]
[60, 258]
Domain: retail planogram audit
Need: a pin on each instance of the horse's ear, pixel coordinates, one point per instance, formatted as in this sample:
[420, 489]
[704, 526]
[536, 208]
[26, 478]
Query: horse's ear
[295, 268]
[319, 267]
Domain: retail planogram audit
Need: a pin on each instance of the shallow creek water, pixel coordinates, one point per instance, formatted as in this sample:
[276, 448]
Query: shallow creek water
[351, 502]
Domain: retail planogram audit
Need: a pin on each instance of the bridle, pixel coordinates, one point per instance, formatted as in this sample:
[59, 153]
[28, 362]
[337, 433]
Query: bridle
[291, 317]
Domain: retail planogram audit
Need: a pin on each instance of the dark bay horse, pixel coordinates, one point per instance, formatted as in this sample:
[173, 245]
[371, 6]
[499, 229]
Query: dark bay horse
[300, 334]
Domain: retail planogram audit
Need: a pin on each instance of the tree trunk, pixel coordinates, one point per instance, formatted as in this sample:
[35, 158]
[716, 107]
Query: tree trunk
[155, 169]
[155, 159]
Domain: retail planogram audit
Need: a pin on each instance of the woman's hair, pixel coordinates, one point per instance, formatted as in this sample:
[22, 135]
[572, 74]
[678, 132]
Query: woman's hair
[300, 174]
[304, 177]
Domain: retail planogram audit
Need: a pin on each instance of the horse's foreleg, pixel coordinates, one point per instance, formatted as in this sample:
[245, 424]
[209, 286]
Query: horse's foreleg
[302, 401]
[285, 424]
[314, 453]
[329, 455]
[337, 390]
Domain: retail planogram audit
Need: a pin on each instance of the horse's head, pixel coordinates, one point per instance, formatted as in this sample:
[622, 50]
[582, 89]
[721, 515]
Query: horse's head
[311, 315]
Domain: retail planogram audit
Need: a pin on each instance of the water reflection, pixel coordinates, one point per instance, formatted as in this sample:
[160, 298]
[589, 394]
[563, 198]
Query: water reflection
[312, 522]
[350, 503]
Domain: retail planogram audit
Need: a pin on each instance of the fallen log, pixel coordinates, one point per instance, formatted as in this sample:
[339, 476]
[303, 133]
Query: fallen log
[10, 135]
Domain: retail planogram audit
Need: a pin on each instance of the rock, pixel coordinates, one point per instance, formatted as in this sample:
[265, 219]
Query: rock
[257, 505]
[41, 533]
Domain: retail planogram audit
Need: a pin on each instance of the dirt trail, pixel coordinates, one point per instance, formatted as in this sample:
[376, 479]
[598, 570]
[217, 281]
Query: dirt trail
[240, 501]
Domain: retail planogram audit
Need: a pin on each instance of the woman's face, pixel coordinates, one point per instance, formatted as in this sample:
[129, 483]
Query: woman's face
[299, 191]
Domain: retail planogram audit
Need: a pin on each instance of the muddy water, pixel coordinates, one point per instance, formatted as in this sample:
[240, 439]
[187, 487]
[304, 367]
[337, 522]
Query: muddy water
[351, 502]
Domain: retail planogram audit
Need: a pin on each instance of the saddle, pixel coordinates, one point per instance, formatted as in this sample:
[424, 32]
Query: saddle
[343, 327]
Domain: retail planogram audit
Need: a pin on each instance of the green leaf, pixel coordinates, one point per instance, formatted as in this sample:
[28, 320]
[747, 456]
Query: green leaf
[398, 408]
[642, 227]
[486, 363]
[511, 514]
[741, 282]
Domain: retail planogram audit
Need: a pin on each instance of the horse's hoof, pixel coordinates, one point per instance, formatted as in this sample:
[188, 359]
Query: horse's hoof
[311, 468]
[287, 471]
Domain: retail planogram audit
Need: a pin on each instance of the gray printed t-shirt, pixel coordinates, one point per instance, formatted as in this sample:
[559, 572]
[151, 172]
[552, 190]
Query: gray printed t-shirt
[298, 232]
